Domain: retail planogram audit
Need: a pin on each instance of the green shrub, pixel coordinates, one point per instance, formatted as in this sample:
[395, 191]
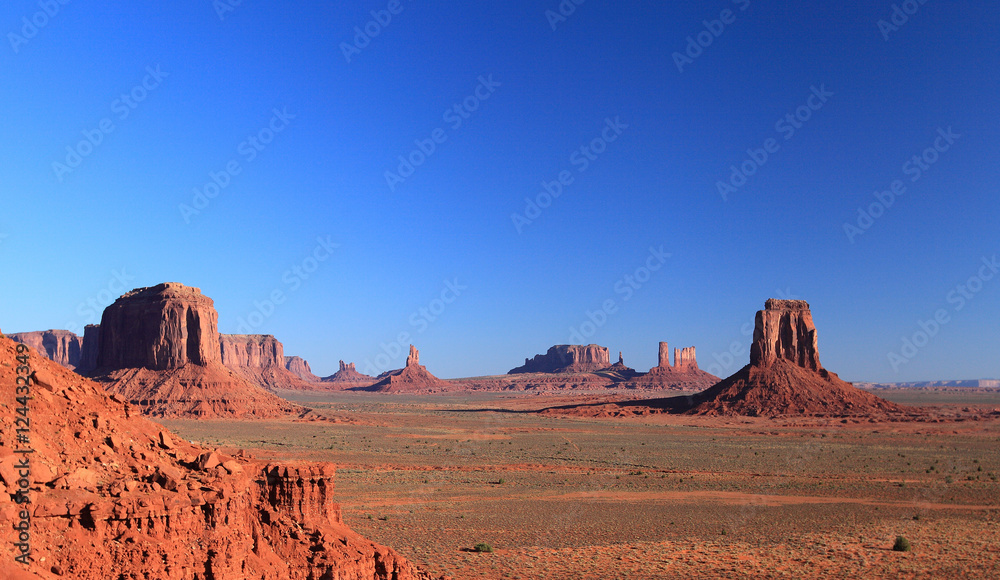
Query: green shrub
[482, 547]
[901, 545]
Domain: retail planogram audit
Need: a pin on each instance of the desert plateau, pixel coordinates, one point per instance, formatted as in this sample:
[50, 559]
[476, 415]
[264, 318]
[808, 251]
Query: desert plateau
[520, 290]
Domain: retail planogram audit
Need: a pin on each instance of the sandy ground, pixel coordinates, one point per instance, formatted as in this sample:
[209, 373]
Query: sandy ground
[651, 497]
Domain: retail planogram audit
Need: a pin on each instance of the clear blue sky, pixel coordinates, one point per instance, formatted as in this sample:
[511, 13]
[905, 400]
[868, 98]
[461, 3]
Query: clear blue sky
[551, 86]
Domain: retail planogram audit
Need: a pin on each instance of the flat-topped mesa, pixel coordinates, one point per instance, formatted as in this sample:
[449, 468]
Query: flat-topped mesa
[567, 358]
[685, 359]
[785, 330]
[299, 367]
[259, 358]
[160, 349]
[251, 350]
[60, 346]
[664, 358]
[160, 327]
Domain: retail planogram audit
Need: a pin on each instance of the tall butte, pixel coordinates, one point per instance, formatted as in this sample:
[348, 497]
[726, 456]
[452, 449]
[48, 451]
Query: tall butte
[413, 377]
[159, 349]
[784, 376]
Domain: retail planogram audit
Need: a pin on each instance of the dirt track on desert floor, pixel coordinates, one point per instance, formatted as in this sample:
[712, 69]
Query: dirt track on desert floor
[657, 497]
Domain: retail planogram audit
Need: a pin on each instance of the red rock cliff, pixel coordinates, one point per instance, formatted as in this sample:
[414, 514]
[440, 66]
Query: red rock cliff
[785, 330]
[300, 368]
[88, 353]
[784, 376]
[567, 358]
[160, 349]
[163, 327]
[684, 358]
[259, 358]
[61, 346]
[113, 495]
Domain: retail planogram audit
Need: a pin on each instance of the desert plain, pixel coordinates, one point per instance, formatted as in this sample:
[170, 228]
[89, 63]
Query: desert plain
[563, 496]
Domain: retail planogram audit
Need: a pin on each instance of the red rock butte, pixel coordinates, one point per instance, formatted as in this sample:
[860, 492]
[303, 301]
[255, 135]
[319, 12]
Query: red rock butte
[413, 377]
[784, 376]
[567, 358]
[160, 349]
[684, 374]
[114, 495]
[300, 368]
[349, 375]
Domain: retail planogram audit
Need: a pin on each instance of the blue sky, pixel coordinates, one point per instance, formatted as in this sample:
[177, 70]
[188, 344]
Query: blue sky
[175, 98]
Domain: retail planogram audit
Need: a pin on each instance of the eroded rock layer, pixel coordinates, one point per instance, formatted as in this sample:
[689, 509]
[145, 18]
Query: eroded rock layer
[300, 368]
[114, 495]
[784, 376]
[567, 358]
[349, 375]
[61, 346]
[259, 358]
[160, 349]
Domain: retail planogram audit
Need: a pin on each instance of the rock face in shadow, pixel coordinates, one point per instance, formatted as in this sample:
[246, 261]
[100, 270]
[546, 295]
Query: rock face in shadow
[784, 376]
[88, 353]
[61, 346]
[349, 376]
[300, 368]
[259, 358]
[412, 378]
[567, 358]
[160, 349]
[114, 495]
[159, 328]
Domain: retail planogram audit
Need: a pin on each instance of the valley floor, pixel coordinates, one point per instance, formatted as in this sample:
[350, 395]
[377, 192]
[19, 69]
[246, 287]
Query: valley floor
[652, 497]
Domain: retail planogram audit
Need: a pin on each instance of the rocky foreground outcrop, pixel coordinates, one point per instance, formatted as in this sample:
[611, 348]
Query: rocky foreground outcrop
[300, 368]
[411, 378]
[61, 346]
[114, 495]
[567, 358]
[784, 376]
[259, 358]
[160, 350]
